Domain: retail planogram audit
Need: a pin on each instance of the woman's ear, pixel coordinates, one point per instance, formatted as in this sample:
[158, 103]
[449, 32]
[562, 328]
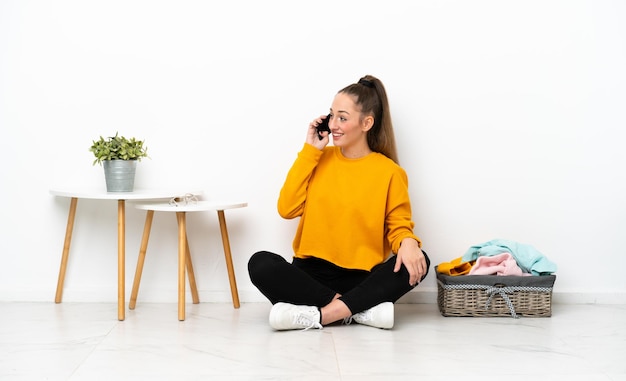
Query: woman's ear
[368, 123]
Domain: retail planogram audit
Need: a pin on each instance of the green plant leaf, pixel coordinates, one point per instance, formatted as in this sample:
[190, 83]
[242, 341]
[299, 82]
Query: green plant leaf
[118, 148]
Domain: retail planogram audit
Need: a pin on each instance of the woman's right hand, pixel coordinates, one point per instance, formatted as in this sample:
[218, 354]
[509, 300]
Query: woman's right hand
[312, 136]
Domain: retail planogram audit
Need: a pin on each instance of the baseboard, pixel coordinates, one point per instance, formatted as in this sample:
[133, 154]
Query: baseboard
[107, 295]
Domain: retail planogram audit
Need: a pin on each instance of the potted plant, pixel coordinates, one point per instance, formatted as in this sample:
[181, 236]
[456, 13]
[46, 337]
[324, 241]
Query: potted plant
[119, 156]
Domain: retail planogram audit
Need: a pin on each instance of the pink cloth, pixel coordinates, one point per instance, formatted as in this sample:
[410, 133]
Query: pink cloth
[499, 264]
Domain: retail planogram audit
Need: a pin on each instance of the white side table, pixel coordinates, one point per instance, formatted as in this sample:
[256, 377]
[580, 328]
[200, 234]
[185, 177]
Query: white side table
[184, 257]
[121, 197]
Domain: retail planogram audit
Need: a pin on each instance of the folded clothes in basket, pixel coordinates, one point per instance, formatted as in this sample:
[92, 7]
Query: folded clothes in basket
[455, 267]
[529, 259]
[499, 264]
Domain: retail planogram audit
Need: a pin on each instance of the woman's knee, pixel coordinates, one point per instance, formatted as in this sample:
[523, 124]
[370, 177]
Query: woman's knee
[261, 263]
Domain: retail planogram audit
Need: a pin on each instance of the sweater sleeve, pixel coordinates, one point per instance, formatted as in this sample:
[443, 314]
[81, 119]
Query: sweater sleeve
[399, 215]
[292, 196]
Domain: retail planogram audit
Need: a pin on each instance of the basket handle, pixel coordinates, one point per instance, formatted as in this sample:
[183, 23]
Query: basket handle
[501, 290]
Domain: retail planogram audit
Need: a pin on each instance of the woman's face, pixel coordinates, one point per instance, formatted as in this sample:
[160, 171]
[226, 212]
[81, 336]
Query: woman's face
[346, 126]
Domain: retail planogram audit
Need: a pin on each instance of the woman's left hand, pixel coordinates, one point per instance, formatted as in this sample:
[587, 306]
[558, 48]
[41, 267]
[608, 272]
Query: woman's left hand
[411, 256]
[313, 137]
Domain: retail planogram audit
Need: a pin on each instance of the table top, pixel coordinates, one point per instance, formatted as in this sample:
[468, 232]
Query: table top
[193, 206]
[138, 194]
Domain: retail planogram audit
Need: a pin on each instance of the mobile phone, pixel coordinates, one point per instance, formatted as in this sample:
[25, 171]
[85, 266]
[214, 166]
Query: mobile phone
[323, 127]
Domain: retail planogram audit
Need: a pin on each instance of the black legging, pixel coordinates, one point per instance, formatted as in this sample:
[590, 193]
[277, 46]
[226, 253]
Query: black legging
[315, 282]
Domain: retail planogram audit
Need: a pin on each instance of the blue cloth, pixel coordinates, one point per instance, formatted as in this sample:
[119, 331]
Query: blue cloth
[527, 257]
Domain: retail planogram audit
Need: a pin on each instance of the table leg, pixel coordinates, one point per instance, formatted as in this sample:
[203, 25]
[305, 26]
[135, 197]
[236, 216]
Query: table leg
[190, 273]
[66, 249]
[142, 258]
[182, 259]
[121, 257]
[229, 258]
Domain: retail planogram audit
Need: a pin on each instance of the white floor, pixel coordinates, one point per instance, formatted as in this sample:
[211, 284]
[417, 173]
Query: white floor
[85, 341]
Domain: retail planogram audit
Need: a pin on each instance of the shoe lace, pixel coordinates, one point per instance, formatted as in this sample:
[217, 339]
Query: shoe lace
[366, 315]
[305, 321]
[361, 316]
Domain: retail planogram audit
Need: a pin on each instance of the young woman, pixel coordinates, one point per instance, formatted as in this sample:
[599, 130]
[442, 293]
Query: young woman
[355, 250]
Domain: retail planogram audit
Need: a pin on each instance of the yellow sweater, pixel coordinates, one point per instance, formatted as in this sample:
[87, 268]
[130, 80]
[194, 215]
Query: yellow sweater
[353, 212]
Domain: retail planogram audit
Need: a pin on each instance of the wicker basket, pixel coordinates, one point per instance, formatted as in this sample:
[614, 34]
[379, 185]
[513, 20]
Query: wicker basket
[495, 296]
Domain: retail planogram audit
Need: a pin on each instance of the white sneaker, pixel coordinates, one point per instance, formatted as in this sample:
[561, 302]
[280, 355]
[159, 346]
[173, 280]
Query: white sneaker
[284, 316]
[380, 316]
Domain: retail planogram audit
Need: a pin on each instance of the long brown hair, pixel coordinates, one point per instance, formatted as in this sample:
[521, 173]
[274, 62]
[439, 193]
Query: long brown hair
[369, 93]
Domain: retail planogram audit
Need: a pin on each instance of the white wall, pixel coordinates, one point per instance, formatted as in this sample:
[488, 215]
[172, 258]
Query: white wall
[509, 116]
